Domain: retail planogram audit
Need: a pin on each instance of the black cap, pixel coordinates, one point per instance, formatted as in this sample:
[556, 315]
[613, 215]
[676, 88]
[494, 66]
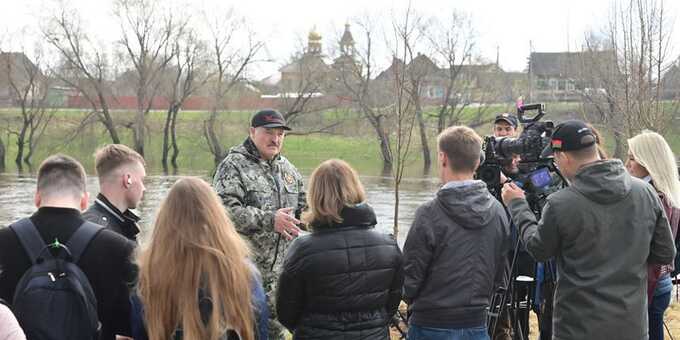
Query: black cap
[570, 136]
[508, 118]
[269, 119]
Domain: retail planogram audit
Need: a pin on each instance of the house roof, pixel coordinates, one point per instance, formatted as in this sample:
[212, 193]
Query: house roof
[309, 62]
[562, 64]
[20, 65]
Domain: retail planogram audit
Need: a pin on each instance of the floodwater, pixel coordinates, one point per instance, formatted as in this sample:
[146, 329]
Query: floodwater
[16, 198]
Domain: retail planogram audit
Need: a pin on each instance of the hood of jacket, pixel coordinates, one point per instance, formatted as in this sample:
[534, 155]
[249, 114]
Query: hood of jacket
[603, 181]
[468, 205]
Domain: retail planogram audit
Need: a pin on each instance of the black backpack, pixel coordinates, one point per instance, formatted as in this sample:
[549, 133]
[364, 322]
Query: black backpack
[54, 299]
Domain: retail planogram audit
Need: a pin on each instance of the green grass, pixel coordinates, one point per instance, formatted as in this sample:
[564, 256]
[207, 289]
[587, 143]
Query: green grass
[354, 141]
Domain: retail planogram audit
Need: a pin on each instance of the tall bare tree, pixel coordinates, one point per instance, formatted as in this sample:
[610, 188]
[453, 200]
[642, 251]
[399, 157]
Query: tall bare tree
[86, 67]
[147, 35]
[406, 94]
[233, 48]
[453, 41]
[365, 93]
[622, 70]
[188, 75]
[29, 90]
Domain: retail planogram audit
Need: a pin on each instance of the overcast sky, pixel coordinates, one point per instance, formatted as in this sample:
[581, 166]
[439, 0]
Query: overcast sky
[550, 25]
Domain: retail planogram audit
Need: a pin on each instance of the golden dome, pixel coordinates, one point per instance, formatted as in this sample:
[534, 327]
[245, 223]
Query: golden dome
[313, 35]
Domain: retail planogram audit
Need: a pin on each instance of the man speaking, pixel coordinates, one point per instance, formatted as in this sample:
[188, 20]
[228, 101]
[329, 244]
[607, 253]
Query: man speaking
[264, 195]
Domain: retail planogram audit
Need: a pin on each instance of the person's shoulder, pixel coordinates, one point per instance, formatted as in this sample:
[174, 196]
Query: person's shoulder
[381, 238]
[108, 241]
[98, 215]
[235, 158]
[8, 242]
[287, 164]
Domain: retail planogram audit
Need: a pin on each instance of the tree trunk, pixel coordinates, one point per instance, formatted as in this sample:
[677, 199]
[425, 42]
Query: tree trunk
[166, 138]
[139, 126]
[173, 135]
[619, 145]
[31, 146]
[138, 133]
[441, 121]
[211, 137]
[424, 143]
[107, 121]
[2, 155]
[395, 229]
[21, 141]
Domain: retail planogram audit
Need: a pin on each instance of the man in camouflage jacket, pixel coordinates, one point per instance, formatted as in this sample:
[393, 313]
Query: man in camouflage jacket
[264, 195]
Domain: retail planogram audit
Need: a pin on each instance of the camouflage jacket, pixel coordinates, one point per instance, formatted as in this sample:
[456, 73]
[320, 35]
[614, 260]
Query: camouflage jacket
[252, 189]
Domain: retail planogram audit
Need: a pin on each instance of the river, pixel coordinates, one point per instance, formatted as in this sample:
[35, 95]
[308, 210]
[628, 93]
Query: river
[16, 198]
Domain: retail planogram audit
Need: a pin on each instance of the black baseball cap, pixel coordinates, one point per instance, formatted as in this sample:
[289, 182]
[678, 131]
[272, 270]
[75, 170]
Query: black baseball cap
[269, 119]
[570, 136]
[508, 118]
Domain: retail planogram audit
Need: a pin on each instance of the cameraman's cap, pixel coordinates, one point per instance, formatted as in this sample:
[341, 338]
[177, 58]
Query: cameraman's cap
[570, 136]
[269, 119]
[508, 118]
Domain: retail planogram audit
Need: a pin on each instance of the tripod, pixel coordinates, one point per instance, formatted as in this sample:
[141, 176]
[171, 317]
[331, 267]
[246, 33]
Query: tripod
[517, 310]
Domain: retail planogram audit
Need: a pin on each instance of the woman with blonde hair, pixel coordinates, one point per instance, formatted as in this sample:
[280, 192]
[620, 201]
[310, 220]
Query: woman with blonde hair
[342, 281]
[651, 159]
[195, 281]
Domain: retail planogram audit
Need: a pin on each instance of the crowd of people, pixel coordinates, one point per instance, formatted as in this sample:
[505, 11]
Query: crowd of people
[259, 255]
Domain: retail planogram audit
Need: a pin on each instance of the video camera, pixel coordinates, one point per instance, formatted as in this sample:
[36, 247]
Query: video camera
[535, 171]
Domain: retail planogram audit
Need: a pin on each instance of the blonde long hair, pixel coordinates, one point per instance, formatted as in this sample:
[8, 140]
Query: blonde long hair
[194, 245]
[651, 150]
[333, 185]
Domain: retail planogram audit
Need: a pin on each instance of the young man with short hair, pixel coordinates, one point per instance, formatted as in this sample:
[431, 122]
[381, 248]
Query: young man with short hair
[602, 230]
[60, 197]
[455, 247]
[121, 187]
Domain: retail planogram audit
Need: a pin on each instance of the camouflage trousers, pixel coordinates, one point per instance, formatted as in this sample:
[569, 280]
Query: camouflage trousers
[264, 254]
[269, 279]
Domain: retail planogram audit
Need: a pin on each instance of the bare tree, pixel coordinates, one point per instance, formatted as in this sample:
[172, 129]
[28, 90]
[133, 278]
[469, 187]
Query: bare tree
[406, 94]
[85, 66]
[364, 92]
[453, 41]
[230, 58]
[622, 72]
[188, 75]
[29, 90]
[147, 33]
[421, 74]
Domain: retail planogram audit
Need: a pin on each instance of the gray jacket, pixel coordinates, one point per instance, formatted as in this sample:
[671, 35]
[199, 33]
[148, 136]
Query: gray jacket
[453, 253]
[602, 231]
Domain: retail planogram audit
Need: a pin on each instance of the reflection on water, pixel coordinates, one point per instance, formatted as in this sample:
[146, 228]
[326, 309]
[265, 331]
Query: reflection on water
[16, 198]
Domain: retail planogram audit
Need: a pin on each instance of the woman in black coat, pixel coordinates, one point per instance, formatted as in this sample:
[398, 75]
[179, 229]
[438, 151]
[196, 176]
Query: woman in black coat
[342, 281]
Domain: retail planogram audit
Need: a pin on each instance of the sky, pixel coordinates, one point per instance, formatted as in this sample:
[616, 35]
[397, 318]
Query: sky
[509, 28]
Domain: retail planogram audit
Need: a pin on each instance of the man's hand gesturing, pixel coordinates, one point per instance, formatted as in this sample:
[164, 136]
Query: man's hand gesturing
[285, 224]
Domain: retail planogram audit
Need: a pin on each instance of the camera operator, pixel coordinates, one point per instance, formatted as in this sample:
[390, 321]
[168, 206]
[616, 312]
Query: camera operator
[602, 230]
[506, 125]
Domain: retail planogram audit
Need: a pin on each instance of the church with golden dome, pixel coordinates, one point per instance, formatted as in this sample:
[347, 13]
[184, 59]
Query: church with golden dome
[309, 72]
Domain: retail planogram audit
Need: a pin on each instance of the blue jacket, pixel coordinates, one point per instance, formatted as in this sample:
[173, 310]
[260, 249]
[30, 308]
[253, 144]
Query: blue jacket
[259, 305]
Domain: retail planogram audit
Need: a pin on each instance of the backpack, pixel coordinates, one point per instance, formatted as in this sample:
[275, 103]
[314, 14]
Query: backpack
[53, 299]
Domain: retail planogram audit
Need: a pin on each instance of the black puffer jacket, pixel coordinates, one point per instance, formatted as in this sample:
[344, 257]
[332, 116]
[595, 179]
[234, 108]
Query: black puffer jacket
[341, 282]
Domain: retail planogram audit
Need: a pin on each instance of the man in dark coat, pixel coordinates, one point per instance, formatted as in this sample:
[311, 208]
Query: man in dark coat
[455, 248]
[121, 187]
[602, 230]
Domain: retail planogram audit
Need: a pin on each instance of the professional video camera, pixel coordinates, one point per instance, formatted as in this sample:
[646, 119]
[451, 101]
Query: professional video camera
[535, 171]
[538, 176]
